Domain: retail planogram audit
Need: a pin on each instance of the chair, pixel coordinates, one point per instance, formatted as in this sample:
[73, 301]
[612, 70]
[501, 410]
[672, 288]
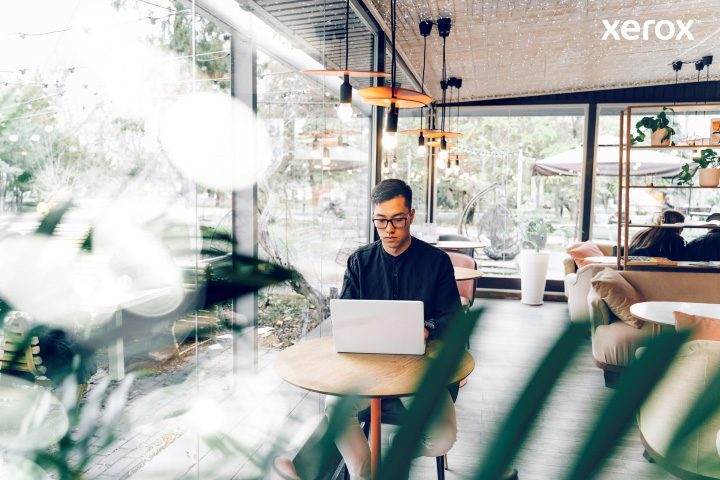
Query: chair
[393, 412]
[577, 281]
[453, 238]
[465, 287]
[614, 342]
[20, 353]
[668, 404]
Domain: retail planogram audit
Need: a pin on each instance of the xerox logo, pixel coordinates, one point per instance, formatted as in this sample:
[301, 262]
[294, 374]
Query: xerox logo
[662, 29]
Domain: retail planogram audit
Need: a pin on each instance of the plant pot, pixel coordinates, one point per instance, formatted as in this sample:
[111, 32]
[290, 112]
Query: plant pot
[533, 275]
[656, 138]
[709, 177]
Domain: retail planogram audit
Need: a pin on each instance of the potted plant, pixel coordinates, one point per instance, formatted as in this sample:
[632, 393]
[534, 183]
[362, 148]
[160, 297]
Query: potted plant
[660, 127]
[708, 164]
[534, 262]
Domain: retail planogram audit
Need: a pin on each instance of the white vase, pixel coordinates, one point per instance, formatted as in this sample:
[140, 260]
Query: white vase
[709, 177]
[656, 138]
[533, 275]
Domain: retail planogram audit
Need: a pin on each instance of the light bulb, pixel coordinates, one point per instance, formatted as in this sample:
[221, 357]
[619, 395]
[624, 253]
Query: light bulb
[421, 145]
[394, 165]
[443, 155]
[345, 112]
[389, 140]
[456, 169]
[326, 156]
[440, 163]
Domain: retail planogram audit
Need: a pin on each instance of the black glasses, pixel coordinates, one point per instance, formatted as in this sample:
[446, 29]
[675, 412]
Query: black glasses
[382, 223]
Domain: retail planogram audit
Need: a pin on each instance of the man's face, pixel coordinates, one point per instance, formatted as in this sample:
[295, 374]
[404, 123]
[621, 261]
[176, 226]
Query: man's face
[397, 232]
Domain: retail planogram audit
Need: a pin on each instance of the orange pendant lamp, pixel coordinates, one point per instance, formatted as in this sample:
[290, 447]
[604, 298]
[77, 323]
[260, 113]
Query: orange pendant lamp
[344, 110]
[392, 97]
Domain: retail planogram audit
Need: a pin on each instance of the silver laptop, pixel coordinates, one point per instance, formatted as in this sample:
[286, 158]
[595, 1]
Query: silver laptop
[378, 326]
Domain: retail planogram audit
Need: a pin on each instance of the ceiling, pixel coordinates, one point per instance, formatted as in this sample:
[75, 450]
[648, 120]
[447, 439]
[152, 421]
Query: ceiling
[506, 48]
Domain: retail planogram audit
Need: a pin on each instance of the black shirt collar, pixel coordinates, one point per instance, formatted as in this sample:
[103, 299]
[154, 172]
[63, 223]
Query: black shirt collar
[406, 254]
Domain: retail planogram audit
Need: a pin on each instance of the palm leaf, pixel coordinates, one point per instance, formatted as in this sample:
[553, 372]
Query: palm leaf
[702, 409]
[423, 409]
[52, 220]
[634, 387]
[521, 417]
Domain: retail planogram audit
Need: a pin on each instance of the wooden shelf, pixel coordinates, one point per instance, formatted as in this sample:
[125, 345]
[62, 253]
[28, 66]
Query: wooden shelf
[667, 186]
[674, 225]
[674, 147]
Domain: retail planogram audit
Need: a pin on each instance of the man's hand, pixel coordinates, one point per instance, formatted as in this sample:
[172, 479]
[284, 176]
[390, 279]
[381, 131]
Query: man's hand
[427, 334]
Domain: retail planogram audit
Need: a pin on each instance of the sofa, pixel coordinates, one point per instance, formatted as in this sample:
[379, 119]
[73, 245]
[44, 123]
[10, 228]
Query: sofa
[614, 342]
[577, 282]
[667, 406]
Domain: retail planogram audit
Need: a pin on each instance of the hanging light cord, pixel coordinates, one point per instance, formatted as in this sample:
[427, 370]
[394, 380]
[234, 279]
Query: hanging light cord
[444, 79]
[422, 83]
[457, 121]
[347, 33]
[392, 61]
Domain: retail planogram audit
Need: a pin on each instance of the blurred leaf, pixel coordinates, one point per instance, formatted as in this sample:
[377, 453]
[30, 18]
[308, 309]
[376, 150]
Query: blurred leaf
[434, 383]
[238, 275]
[520, 418]
[635, 385]
[87, 243]
[702, 409]
[52, 220]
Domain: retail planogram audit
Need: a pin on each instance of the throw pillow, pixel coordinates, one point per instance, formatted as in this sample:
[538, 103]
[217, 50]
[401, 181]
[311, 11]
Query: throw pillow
[583, 251]
[706, 328]
[618, 294]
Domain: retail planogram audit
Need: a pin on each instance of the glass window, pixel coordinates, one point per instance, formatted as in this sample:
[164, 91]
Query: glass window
[502, 173]
[407, 164]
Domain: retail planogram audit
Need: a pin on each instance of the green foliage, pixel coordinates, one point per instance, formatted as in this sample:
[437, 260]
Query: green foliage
[653, 124]
[518, 423]
[536, 233]
[708, 158]
[423, 408]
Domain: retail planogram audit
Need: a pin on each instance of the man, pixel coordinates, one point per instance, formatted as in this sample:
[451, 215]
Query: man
[400, 267]
[705, 247]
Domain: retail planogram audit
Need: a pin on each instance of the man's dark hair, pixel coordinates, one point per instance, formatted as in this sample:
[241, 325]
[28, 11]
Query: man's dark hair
[389, 189]
[713, 216]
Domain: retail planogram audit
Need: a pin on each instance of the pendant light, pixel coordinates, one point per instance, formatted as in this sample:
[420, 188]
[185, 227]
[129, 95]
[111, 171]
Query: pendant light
[392, 97]
[444, 26]
[344, 109]
[425, 30]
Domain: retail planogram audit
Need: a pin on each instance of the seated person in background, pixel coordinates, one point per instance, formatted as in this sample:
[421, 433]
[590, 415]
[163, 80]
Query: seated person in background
[660, 242]
[399, 267]
[706, 247]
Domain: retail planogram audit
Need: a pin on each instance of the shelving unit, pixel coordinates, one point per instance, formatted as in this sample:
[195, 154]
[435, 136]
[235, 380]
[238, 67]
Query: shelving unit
[624, 178]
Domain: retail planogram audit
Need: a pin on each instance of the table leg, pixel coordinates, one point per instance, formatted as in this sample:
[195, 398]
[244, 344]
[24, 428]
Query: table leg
[375, 413]
[116, 353]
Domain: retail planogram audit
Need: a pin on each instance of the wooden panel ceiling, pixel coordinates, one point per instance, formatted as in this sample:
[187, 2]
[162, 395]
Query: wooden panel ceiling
[506, 48]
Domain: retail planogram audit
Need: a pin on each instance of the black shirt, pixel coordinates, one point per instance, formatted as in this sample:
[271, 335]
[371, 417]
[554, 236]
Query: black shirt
[705, 247]
[422, 272]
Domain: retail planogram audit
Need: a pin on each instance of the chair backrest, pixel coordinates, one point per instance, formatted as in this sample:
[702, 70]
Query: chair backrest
[455, 237]
[465, 287]
[20, 352]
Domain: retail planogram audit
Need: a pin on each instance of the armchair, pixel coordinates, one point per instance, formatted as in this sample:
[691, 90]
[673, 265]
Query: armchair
[614, 342]
[660, 416]
[577, 282]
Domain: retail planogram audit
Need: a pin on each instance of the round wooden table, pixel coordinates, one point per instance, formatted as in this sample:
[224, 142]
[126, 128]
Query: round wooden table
[464, 273]
[661, 313]
[315, 365]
